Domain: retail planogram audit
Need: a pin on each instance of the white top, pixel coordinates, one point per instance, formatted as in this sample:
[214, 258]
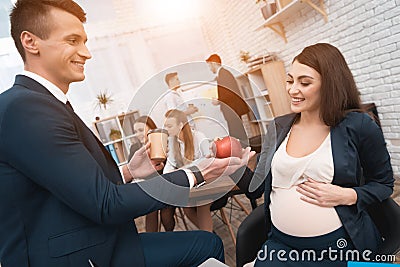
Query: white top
[289, 213]
[174, 100]
[201, 149]
[171, 99]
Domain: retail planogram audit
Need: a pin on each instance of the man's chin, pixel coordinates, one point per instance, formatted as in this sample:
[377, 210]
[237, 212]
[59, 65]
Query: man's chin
[79, 78]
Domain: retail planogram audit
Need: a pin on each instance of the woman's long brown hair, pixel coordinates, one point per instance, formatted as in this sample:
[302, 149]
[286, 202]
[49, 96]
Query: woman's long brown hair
[148, 121]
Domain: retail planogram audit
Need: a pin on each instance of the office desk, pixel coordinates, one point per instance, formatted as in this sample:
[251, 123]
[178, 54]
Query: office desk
[211, 191]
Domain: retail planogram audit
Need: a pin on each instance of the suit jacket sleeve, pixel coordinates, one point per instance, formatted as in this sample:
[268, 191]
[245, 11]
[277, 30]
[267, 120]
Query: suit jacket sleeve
[42, 143]
[375, 162]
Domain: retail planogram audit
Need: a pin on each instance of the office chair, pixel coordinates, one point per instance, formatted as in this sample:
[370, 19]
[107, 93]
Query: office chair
[219, 204]
[386, 216]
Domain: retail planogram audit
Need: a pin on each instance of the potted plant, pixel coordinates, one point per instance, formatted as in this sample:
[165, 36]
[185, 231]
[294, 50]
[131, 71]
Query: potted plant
[115, 134]
[103, 99]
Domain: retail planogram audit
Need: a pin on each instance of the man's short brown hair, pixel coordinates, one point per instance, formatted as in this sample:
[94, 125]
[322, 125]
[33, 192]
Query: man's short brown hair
[169, 76]
[214, 58]
[32, 16]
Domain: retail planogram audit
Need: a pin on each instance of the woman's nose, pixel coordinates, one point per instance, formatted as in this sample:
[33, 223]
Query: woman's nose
[292, 89]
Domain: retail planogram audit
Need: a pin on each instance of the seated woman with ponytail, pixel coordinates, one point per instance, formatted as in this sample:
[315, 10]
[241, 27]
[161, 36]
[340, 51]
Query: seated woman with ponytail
[185, 146]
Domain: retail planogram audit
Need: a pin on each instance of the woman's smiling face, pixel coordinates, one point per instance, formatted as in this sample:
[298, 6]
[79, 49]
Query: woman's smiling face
[303, 84]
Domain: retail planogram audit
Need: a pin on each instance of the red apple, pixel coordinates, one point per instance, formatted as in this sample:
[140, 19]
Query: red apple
[227, 147]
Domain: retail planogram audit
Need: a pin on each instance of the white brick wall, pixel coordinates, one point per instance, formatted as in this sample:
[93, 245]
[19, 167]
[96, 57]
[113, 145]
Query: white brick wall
[366, 31]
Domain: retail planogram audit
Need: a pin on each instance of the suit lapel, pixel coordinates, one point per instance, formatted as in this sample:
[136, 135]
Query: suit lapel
[89, 140]
[344, 153]
[283, 126]
[96, 148]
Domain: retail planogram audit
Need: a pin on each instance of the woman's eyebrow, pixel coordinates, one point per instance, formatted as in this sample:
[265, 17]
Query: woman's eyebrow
[301, 76]
[305, 76]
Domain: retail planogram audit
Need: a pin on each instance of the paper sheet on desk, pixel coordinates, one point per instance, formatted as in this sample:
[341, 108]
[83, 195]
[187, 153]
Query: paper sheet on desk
[210, 92]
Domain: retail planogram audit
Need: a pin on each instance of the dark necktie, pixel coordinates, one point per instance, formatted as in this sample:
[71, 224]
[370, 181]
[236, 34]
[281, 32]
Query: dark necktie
[68, 104]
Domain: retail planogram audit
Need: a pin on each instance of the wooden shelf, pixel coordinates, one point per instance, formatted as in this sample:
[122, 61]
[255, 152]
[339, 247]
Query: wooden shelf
[265, 84]
[263, 93]
[123, 123]
[275, 21]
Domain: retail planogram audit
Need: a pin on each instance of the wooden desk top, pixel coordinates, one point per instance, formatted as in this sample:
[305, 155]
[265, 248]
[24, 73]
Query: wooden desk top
[212, 190]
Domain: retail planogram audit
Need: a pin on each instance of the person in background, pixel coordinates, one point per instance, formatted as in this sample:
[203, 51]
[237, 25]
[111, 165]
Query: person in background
[322, 165]
[62, 201]
[185, 146]
[141, 127]
[229, 98]
[173, 99]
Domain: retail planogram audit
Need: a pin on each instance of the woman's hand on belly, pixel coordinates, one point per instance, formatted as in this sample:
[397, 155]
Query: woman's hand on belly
[326, 195]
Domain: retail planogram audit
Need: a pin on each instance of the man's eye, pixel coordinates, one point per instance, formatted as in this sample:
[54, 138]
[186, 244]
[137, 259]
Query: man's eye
[305, 84]
[289, 81]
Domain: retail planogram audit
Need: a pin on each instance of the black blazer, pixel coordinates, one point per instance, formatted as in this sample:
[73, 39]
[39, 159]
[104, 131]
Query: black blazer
[361, 161]
[61, 201]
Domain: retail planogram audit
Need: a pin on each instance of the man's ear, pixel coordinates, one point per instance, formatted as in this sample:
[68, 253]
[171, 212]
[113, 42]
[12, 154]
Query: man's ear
[29, 42]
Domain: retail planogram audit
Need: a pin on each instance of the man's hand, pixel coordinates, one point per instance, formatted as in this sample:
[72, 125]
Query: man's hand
[191, 109]
[212, 168]
[326, 195]
[141, 166]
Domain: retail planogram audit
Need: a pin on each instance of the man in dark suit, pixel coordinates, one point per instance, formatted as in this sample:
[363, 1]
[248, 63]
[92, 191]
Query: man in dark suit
[229, 98]
[62, 201]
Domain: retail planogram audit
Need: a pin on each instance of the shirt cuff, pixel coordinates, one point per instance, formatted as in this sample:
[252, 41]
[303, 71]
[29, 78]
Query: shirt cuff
[190, 177]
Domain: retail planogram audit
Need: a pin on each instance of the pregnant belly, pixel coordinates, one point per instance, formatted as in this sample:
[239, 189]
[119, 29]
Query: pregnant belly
[296, 217]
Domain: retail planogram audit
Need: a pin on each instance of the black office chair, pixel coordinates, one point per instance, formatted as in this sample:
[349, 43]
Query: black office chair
[219, 204]
[386, 216]
[252, 232]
